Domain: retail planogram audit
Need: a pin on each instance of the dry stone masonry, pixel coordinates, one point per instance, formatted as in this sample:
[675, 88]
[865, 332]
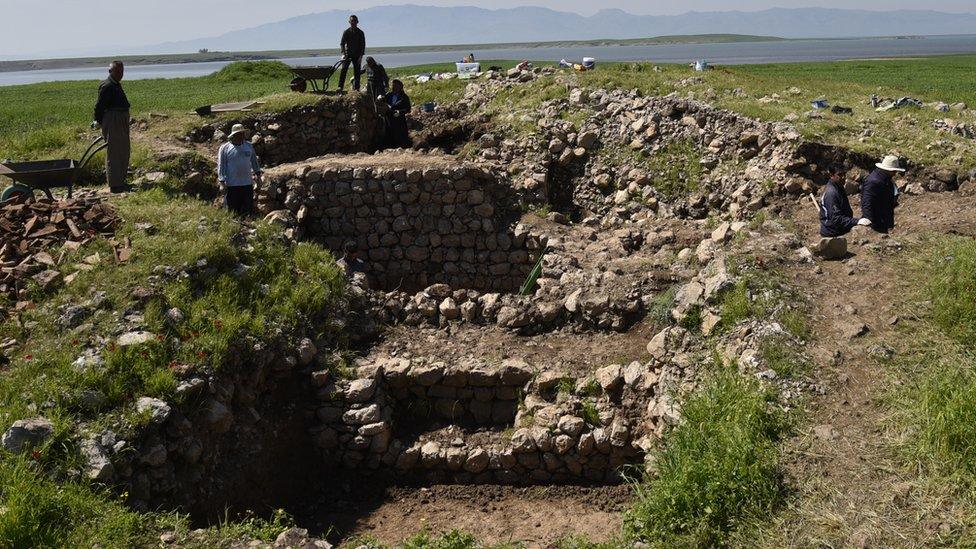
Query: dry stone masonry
[347, 124]
[417, 219]
[488, 424]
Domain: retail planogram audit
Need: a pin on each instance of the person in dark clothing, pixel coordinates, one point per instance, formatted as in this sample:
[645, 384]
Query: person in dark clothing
[879, 195]
[112, 115]
[353, 45]
[377, 80]
[836, 216]
[397, 134]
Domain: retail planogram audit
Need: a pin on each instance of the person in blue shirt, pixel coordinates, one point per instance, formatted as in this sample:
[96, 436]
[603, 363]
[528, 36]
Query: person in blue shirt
[836, 216]
[237, 170]
[397, 134]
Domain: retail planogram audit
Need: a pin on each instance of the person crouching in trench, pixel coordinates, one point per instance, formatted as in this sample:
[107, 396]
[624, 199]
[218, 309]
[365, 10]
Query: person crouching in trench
[237, 170]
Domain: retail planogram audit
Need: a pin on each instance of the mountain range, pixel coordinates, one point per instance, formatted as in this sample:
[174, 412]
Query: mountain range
[412, 25]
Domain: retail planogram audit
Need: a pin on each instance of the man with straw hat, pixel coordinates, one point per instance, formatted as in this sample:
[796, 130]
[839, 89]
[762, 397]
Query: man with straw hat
[237, 170]
[879, 195]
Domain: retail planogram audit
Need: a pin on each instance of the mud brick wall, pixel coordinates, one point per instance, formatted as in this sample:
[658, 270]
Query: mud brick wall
[415, 227]
[348, 124]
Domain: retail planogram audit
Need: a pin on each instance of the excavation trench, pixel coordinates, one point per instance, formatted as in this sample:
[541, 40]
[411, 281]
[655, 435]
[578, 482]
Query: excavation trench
[334, 445]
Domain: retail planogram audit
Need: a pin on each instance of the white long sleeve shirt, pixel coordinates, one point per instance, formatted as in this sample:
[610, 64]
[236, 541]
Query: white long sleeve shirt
[237, 164]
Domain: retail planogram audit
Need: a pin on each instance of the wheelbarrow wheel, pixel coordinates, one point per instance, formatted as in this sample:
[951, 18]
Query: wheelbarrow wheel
[16, 191]
[299, 85]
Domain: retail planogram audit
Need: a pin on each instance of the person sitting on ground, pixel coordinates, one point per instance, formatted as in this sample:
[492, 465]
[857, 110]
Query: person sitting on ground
[353, 46]
[351, 264]
[879, 195]
[377, 80]
[237, 170]
[836, 216]
[398, 136]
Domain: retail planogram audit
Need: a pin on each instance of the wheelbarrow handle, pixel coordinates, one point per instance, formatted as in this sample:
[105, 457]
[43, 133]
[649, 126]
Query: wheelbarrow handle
[92, 151]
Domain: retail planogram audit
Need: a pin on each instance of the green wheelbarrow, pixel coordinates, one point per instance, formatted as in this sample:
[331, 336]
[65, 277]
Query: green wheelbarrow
[45, 175]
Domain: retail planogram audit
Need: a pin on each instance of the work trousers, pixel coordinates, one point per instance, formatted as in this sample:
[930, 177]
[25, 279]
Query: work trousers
[115, 130]
[357, 71]
[240, 199]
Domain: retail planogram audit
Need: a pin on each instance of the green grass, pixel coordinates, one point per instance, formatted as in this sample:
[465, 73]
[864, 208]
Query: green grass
[718, 470]
[951, 285]
[40, 512]
[53, 118]
[934, 402]
[235, 294]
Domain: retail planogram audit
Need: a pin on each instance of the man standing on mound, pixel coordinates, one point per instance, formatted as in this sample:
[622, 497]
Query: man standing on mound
[112, 114]
[353, 45]
[879, 195]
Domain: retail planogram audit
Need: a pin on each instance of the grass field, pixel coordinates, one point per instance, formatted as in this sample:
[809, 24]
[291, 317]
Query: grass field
[51, 120]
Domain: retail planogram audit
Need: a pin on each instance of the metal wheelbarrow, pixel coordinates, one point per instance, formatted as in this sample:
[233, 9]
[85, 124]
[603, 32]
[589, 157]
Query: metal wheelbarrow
[45, 175]
[305, 76]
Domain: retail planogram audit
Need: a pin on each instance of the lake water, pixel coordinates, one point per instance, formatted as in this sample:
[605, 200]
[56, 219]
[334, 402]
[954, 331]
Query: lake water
[727, 54]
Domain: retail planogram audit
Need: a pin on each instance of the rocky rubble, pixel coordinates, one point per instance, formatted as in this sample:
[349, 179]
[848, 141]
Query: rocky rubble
[31, 231]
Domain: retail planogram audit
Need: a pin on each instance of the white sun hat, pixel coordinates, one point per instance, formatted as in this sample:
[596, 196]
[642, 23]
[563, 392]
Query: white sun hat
[890, 164]
[238, 128]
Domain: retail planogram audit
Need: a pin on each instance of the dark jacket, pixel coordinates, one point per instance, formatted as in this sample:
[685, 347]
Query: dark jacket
[878, 200]
[353, 42]
[836, 216]
[111, 96]
[398, 102]
[377, 80]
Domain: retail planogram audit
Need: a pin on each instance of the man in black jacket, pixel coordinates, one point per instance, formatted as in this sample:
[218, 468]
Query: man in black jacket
[836, 216]
[879, 196]
[353, 45]
[112, 114]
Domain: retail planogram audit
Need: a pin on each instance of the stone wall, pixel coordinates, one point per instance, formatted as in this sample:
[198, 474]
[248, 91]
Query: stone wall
[346, 124]
[482, 423]
[417, 219]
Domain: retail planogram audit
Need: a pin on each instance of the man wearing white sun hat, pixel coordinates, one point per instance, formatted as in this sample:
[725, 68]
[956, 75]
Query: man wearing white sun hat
[237, 170]
[879, 195]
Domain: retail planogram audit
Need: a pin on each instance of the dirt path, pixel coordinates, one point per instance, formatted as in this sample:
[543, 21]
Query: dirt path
[852, 492]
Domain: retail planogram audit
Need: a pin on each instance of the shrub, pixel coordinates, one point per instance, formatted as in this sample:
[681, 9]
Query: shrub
[718, 469]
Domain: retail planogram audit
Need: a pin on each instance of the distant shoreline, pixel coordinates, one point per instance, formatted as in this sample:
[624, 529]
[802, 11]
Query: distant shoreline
[218, 56]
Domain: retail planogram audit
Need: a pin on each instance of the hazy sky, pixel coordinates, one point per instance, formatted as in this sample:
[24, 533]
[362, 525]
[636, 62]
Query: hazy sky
[39, 26]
